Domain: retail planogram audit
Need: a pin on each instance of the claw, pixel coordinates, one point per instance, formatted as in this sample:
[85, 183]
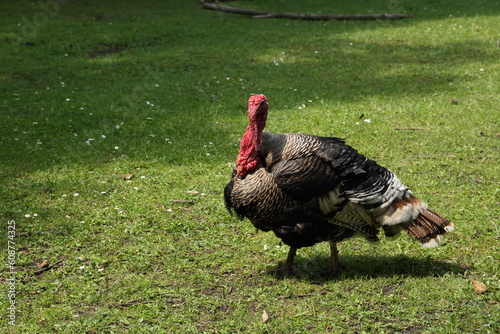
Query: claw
[283, 272]
[287, 269]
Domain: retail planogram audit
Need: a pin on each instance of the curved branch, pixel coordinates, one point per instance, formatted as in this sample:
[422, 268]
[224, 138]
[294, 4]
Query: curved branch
[262, 14]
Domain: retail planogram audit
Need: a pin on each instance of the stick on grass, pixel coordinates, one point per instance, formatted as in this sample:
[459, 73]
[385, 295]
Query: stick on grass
[38, 272]
[262, 14]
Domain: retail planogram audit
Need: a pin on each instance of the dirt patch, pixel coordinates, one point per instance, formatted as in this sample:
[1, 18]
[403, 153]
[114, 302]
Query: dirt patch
[104, 49]
[391, 288]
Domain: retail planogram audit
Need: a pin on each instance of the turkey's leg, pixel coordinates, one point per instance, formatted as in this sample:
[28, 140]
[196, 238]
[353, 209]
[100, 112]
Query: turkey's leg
[335, 264]
[287, 267]
[334, 258]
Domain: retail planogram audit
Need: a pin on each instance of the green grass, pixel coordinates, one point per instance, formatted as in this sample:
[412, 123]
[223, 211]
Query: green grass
[159, 89]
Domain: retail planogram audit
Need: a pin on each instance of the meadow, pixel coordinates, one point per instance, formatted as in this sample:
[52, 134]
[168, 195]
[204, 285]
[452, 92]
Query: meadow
[120, 123]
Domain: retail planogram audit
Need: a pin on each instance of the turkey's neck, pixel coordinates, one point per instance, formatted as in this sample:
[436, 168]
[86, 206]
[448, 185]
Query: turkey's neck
[248, 157]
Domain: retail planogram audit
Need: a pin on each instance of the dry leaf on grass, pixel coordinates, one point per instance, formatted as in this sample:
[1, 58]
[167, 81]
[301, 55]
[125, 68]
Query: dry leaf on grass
[43, 264]
[128, 176]
[478, 287]
[265, 316]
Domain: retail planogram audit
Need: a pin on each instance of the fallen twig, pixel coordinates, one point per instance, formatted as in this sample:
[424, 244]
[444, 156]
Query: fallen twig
[135, 302]
[58, 287]
[139, 301]
[304, 295]
[203, 1]
[412, 128]
[38, 272]
[262, 14]
[497, 237]
[182, 201]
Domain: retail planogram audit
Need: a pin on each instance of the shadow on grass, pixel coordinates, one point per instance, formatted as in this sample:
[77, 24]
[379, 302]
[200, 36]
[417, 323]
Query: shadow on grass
[192, 76]
[369, 266]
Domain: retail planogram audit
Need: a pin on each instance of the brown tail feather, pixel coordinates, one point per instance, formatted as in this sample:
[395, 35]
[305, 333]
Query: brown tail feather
[427, 228]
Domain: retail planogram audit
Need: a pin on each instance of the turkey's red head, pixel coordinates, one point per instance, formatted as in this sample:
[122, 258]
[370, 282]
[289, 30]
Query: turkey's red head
[248, 158]
[257, 108]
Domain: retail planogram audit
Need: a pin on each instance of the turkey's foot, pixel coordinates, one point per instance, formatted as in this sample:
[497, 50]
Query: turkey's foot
[287, 269]
[332, 272]
[335, 265]
[282, 272]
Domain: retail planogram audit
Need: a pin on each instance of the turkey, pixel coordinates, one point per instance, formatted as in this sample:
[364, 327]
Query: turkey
[309, 189]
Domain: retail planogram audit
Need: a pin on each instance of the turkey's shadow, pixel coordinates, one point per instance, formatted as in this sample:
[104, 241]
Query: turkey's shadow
[367, 266]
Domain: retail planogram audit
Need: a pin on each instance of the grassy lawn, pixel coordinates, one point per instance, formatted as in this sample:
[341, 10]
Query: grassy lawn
[91, 91]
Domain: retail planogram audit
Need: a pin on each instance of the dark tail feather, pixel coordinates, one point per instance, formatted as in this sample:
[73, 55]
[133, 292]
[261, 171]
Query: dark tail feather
[428, 228]
[227, 196]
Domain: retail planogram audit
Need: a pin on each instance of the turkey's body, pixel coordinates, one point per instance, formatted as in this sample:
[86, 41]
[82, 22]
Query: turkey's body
[309, 189]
